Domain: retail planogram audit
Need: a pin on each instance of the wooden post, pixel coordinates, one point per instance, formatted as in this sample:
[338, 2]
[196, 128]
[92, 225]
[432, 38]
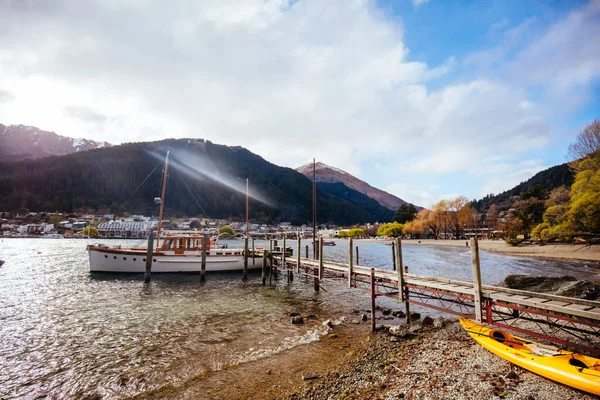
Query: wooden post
[253, 254]
[149, 255]
[476, 278]
[298, 255]
[373, 299]
[203, 264]
[245, 272]
[283, 263]
[264, 267]
[357, 262]
[306, 251]
[321, 268]
[402, 289]
[394, 255]
[270, 262]
[398, 261]
[350, 263]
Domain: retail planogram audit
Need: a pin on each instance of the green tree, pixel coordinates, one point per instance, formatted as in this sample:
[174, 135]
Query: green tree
[391, 229]
[357, 232]
[406, 213]
[93, 232]
[226, 229]
[530, 213]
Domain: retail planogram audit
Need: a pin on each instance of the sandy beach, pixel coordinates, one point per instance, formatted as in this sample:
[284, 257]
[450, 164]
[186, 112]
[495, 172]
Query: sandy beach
[555, 250]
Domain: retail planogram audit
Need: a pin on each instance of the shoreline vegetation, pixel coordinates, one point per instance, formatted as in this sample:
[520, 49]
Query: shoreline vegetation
[567, 251]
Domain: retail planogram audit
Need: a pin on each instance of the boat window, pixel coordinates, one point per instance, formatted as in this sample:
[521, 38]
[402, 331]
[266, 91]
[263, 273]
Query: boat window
[134, 259]
[124, 258]
[180, 244]
[105, 256]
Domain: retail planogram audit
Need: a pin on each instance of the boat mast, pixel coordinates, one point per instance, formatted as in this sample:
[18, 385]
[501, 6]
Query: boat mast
[247, 231]
[314, 208]
[162, 200]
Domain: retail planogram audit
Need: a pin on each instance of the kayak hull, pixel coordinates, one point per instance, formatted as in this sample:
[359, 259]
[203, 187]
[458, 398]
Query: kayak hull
[571, 369]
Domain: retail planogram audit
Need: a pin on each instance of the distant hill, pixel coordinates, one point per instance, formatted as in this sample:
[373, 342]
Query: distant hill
[109, 177]
[550, 179]
[20, 142]
[327, 174]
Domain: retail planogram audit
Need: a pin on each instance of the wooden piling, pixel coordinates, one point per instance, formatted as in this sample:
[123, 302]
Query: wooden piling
[203, 263]
[357, 262]
[321, 267]
[476, 278]
[264, 267]
[398, 261]
[270, 262]
[298, 254]
[306, 251]
[149, 255]
[283, 262]
[350, 263]
[394, 255]
[373, 299]
[245, 272]
[253, 254]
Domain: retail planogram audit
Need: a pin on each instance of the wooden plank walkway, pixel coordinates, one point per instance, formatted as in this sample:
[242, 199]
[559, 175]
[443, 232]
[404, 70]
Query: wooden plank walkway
[498, 305]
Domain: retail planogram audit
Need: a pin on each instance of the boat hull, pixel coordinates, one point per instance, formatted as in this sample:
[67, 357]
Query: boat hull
[135, 262]
[558, 365]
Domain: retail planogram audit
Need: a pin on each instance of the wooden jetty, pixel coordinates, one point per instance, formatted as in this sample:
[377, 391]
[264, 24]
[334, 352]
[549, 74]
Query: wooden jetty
[566, 321]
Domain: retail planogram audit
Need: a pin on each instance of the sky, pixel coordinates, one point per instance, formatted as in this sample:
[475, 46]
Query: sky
[426, 99]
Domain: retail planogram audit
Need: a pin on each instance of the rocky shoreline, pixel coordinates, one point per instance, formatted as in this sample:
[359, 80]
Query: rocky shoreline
[430, 359]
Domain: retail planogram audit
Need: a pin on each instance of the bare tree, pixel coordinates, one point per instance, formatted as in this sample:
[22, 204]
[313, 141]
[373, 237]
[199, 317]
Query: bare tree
[587, 142]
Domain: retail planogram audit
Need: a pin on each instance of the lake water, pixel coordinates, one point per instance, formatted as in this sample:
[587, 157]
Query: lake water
[67, 333]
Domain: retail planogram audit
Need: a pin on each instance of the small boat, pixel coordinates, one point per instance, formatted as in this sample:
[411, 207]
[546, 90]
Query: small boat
[571, 369]
[328, 243]
[52, 236]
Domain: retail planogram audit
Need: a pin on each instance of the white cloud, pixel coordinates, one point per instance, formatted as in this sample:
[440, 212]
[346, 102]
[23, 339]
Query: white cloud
[418, 3]
[288, 80]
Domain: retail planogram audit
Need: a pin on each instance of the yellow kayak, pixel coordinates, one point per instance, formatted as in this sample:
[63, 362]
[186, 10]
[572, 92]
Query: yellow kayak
[572, 369]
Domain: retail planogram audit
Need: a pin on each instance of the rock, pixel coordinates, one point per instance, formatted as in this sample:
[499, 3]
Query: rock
[386, 311]
[398, 330]
[414, 328]
[512, 375]
[95, 396]
[306, 376]
[415, 315]
[354, 321]
[311, 316]
[297, 320]
[363, 317]
[328, 324]
[399, 314]
[293, 314]
[427, 321]
[439, 322]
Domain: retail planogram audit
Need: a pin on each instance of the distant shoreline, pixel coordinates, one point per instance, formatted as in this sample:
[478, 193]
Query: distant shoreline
[581, 252]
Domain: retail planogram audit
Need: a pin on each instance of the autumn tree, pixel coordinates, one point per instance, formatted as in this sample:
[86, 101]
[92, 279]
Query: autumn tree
[586, 144]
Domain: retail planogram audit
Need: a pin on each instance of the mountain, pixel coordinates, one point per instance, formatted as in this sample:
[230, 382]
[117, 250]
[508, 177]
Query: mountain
[327, 174]
[549, 179]
[19, 142]
[201, 180]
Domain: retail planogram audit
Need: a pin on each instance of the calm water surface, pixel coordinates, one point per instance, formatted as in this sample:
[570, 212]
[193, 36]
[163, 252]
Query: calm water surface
[67, 333]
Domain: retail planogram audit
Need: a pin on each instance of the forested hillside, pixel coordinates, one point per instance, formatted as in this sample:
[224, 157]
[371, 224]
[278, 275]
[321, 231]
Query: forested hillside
[549, 179]
[109, 178]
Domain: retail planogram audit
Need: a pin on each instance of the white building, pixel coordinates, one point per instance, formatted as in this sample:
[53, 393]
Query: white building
[126, 229]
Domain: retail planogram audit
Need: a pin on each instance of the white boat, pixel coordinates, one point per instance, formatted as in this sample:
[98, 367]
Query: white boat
[179, 252]
[52, 236]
